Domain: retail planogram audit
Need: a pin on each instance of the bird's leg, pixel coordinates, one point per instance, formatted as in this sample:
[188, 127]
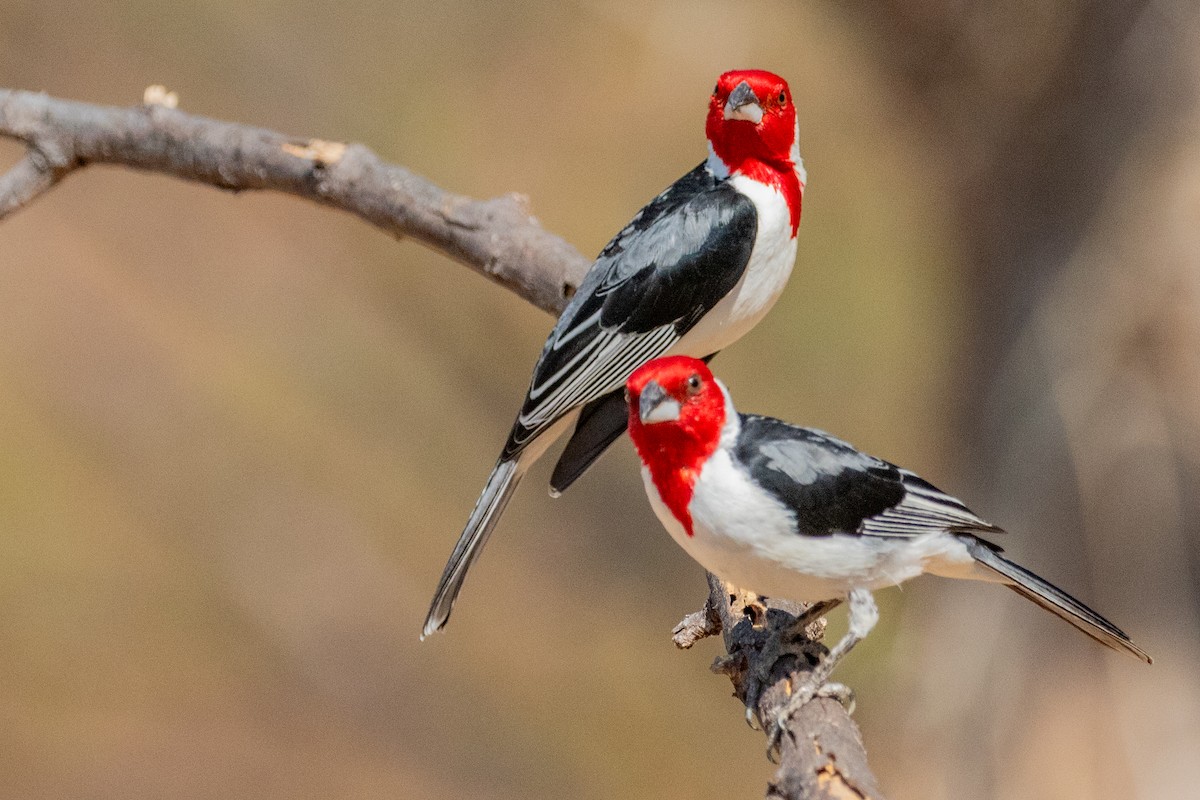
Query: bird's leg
[792, 640]
[863, 616]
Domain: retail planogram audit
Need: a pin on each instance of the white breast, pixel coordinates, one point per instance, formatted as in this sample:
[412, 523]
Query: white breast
[747, 537]
[770, 266]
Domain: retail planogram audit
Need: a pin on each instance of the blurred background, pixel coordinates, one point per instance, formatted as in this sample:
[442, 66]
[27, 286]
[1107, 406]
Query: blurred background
[239, 434]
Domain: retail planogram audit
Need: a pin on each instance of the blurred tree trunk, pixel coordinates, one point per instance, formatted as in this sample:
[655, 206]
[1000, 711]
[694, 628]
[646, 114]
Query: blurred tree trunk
[1069, 135]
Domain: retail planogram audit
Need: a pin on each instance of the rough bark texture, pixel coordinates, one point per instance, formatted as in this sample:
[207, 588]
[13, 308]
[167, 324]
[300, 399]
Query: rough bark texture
[822, 756]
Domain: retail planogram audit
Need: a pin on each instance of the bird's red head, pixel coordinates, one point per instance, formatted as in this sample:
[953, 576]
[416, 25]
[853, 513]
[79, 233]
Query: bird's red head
[676, 413]
[752, 129]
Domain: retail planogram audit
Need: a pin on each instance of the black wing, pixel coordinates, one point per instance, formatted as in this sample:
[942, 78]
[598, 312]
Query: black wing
[671, 264]
[833, 488]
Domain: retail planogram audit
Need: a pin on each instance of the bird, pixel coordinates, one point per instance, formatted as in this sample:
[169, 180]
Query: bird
[791, 512]
[692, 272]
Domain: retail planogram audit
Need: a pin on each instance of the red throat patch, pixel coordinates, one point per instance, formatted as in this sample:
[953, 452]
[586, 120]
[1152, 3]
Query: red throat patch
[787, 183]
[675, 452]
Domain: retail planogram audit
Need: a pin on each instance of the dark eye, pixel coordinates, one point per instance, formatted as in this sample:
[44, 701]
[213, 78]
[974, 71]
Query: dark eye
[782, 98]
[693, 384]
[716, 88]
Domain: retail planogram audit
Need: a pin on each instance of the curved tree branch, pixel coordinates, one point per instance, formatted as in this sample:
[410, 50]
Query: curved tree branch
[495, 237]
[822, 755]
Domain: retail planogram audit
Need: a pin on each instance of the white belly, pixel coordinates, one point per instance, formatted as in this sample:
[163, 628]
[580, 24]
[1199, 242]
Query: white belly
[746, 537]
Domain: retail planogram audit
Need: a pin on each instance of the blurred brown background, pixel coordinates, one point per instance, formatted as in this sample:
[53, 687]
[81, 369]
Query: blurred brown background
[239, 435]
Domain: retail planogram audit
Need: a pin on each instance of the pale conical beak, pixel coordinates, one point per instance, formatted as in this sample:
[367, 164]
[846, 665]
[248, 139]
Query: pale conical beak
[743, 104]
[655, 405]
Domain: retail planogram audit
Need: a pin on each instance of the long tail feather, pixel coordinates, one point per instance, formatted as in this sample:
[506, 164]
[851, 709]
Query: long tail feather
[1053, 599]
[496, 494]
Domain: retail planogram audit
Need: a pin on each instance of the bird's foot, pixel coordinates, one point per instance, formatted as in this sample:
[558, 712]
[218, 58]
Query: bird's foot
[800, 697]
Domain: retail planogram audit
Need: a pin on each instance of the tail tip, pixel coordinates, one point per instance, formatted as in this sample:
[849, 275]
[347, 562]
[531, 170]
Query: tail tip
[432, 626]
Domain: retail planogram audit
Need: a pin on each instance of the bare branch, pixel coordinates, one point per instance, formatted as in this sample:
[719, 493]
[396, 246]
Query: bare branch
[496, 237]
[28, 178]
[822, 755]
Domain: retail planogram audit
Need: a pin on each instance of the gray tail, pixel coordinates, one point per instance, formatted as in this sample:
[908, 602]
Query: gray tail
[488, 508]
[1053, 599]
[601, 423]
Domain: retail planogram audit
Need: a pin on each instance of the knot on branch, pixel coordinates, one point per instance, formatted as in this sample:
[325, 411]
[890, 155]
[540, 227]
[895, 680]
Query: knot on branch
[157, 95]
[320, 152]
